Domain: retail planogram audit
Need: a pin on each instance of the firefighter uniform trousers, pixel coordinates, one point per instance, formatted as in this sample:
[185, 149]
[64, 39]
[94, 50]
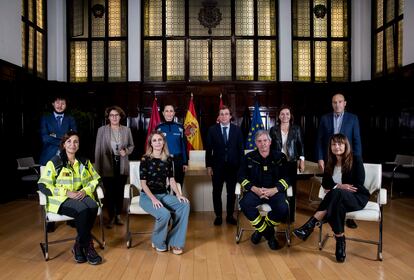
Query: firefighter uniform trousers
[265, 225]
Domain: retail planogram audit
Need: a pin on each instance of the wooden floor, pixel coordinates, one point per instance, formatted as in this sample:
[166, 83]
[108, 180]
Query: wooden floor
[210, 253]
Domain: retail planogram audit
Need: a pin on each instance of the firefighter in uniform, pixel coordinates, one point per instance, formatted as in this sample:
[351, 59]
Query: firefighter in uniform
[176, 142]
[69, 183]
[263, 178]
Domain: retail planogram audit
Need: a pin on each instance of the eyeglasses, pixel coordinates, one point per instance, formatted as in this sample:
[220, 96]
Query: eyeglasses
[113, 115]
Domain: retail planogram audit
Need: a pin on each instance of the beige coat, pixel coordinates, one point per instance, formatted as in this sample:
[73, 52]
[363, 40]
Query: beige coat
[103, 150]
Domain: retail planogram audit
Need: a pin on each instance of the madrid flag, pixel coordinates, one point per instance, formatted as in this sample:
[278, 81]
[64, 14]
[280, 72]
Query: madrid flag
[192, 129]
[154, 120]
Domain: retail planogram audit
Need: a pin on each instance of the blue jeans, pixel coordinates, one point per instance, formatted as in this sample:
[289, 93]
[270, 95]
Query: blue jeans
[179, 211]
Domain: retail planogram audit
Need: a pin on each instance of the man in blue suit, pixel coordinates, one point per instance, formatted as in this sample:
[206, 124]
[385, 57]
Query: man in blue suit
[53, 127]
[224, 151]
[338, 122]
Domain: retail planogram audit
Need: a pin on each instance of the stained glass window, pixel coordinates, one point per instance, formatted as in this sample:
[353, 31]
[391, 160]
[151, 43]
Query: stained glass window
[210, 40]
[388, 36]
[98, 40]
[34, 37]
[321, 41]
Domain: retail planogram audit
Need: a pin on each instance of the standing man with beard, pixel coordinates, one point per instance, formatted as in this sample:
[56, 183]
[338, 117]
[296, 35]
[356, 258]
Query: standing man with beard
[53, 127]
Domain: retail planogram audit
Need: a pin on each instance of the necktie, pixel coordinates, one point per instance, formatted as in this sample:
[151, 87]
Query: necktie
[225, 134]
[59, 120]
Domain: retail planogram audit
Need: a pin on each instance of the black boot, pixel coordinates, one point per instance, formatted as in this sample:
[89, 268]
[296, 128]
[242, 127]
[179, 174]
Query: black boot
[340, 248]
[256, 237]
[304, 231]
[269, 234]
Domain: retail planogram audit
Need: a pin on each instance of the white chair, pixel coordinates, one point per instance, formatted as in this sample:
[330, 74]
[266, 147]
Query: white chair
[49, 217]
[132, 197]
[372, 211]
[263, 209]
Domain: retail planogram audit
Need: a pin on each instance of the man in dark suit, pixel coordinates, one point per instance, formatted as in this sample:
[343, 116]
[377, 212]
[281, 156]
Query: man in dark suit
[224, 152]
[338, 122]
[53, 127]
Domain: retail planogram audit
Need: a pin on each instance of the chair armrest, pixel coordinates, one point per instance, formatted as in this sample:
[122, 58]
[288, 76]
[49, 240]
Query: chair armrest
[391, 163]
[382, 196]
[408, 165]
[322, 193]
[23, 168]
[238, 189]
[99, 192]
[42, 198]
[289, 192]
[127, 191]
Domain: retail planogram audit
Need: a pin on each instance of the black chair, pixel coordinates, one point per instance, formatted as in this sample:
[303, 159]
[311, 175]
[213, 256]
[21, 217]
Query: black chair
[401, 169]
[29, 172]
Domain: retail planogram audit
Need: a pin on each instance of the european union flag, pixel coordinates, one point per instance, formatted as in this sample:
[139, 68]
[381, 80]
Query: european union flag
[256, 125]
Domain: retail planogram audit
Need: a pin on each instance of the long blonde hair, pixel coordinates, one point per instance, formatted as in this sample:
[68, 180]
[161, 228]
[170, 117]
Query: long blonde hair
[149, 150]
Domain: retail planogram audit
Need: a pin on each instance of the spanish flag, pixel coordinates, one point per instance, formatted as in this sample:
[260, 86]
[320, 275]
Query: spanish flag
[154, 120]
[192, 129]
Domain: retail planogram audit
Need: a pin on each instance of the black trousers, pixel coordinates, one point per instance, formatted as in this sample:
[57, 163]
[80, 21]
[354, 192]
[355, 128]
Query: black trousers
[226, 174]
[84, 212]
[278, 203]
[292, 173]
[114, 191]
[178, 169]
[337, 202]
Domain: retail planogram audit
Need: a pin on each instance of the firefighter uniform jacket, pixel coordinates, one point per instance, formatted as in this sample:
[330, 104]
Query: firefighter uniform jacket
[59, 177]
[262, 172]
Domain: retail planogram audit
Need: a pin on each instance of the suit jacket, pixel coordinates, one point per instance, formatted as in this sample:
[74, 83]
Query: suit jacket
[349, 127]
[103, 150]
[294, 142]
[216, 150]
[51, 135]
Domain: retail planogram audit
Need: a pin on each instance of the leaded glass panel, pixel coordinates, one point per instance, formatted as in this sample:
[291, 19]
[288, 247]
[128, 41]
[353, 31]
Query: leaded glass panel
[301, 18]
[175, 60]
[98, 61]
[320, 25]
[221, 60]
[117, 61]
[301, 61]
[339, 18]
[401, 7]
[244, 60]
[266, 9]
[77, 26]
[40, 56]
[98, 23]
[175, 18]
[339, 57]
[153, 18]
[115, 18]
[389, 32]
[320, 50]
[198, 60]
[400, 42]
[39, 13]
[31, 49]
[267, 60]
[379, 50]
[23, 45]
[380, 13]
[30, 10]
[244, 17]
[153, 60]
[390, 10]
[222, 29]
[79, 61]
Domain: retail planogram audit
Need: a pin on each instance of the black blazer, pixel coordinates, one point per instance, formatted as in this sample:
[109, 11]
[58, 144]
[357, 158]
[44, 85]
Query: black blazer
[294, 143]
[355, 177]
[216, 149]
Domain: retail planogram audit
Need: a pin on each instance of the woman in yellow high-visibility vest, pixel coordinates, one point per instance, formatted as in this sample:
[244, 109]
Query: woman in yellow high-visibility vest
[69, 182]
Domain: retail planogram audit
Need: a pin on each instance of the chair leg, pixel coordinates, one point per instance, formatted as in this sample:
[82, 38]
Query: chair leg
[380, 239]
[322, 241]
[44, 245]
[101, 224]
[128, 233]
[239, 229]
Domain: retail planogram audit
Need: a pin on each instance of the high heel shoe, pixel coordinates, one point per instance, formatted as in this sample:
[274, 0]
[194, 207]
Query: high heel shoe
[304, 231]
[340, 253]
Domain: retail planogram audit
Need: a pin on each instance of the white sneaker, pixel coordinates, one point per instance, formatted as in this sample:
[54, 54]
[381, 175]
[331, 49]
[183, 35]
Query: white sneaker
[158, 249]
